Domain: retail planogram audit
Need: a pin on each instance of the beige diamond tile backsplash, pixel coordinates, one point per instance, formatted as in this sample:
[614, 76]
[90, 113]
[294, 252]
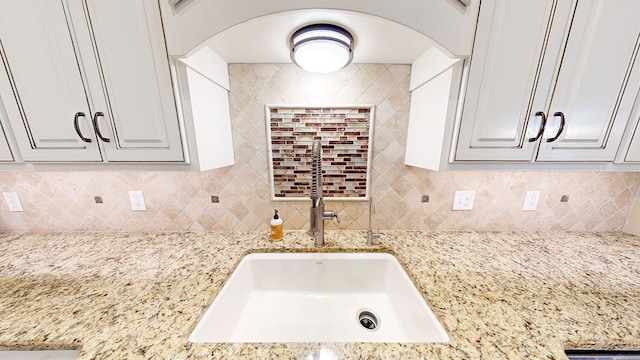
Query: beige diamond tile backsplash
[178, 201]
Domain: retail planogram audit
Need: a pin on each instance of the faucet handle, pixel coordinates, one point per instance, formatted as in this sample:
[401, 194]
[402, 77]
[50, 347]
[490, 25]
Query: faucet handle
[330, 214]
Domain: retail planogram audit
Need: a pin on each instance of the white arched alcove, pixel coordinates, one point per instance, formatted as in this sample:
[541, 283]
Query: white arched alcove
[190, 23]
[266, 39]
[204, 36]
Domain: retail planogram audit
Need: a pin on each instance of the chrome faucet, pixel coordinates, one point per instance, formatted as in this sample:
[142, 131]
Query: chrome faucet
[370, 233]
[317, 213]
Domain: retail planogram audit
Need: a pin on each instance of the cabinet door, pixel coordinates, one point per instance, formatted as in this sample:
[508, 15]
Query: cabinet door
[5, 151]
[633, 153]
[630, 150]
[133, 88]
[595, 73]
[514, 57]
[40, 84]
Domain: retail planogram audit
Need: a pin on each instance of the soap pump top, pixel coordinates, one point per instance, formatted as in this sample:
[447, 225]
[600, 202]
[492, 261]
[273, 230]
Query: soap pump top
[277, 221]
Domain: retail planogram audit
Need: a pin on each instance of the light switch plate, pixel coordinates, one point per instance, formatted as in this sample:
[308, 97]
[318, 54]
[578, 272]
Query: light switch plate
[531, 201]
[463, 199]
[12, 200]
[137, 200]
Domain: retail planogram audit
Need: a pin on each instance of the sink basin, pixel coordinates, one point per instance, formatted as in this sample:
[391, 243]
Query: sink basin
[319, 297]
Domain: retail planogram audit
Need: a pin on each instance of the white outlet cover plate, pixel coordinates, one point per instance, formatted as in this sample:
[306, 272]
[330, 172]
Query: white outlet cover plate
[12, 200]
[137, 200]
[463, 199]
[531, 201]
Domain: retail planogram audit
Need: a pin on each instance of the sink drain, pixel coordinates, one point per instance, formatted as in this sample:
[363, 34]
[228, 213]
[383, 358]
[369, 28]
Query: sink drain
[368, 320]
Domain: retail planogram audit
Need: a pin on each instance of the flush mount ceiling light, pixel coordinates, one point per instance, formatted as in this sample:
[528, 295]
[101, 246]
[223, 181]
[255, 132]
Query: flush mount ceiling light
[321, 48]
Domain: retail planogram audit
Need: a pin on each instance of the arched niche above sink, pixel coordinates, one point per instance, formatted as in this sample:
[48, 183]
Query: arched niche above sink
[449, 23]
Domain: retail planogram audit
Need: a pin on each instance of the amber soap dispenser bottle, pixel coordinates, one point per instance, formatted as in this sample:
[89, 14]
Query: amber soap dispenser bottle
[276, 227]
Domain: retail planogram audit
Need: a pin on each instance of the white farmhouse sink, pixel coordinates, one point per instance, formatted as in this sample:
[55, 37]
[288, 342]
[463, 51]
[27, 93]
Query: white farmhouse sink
[319, 297]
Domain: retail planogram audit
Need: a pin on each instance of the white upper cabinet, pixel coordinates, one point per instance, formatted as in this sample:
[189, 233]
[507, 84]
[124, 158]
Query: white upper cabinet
[88, 81]
[504, 74]
[45, 100]
[632, 155]
[5, 151]
[550, 80]
[597, 82]
[630, 149]
[136, 90]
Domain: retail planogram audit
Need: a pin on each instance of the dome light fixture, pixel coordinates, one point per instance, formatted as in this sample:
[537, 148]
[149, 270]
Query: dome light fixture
[321, 48]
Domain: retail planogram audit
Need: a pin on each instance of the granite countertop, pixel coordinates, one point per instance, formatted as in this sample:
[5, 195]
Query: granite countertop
[509, 295]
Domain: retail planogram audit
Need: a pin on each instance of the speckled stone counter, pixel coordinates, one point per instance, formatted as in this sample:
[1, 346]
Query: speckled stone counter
[499, 295]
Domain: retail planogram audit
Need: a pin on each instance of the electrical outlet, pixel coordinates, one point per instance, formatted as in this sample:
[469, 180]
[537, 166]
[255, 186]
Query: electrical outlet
[531, 201]
[12, 200]
[137, 201]
[463, 199]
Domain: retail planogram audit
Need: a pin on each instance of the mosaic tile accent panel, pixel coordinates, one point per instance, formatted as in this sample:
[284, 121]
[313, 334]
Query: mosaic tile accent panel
[344, 133]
